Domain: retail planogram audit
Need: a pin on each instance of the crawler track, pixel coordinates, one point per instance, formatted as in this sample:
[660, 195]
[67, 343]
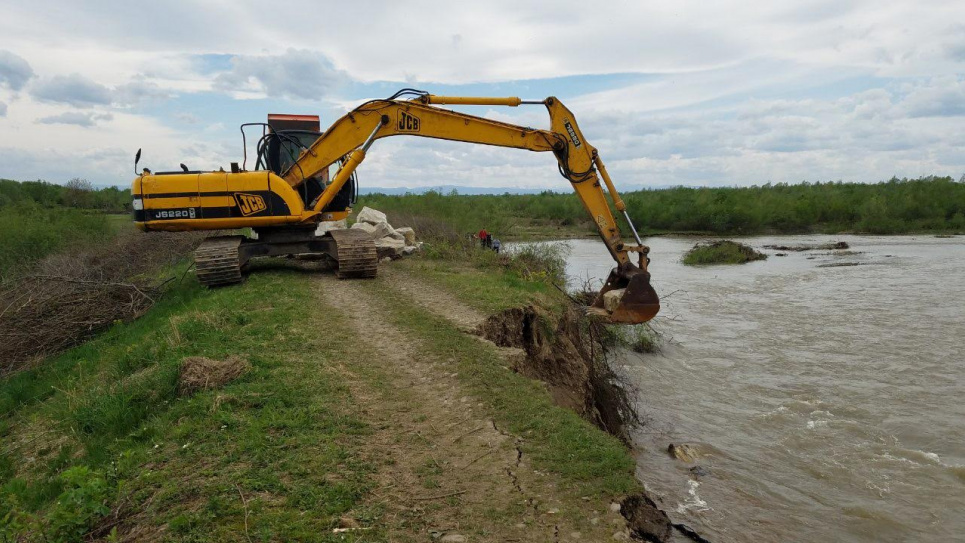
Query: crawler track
[218, 261]
[357, 257]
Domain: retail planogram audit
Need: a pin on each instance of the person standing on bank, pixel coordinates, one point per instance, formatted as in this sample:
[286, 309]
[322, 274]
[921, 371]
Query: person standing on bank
[496, 245]
[483, 238]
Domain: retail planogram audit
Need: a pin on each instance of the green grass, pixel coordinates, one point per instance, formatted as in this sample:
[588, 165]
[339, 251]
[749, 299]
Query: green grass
[490, 288]
[100, 433]
[721, 252]
[31, 232]
[277, 436]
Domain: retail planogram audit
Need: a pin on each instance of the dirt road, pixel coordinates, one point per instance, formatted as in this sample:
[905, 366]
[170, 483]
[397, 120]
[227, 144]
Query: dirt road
[446, 470]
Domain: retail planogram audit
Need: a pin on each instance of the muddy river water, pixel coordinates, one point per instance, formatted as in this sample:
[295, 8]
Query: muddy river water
[828, 403]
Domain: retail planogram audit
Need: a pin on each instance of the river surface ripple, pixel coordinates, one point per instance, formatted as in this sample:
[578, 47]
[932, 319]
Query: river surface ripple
[829, 402]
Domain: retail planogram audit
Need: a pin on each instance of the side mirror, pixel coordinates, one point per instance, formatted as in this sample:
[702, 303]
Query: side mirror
[137, 158]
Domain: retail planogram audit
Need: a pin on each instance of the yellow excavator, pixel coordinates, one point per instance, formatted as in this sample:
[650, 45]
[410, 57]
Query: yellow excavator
[302, 177]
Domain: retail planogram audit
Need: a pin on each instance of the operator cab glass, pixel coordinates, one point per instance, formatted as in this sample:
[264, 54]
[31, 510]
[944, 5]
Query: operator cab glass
[290, 136]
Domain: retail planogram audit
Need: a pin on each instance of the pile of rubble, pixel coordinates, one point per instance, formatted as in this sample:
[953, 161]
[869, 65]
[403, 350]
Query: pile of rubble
[390, 242]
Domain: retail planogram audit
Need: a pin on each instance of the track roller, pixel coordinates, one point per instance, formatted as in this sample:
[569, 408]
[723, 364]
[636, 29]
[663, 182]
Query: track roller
[218, 261]
[356, 255]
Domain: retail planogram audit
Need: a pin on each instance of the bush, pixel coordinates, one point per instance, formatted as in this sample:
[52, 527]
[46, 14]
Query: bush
[898, 205]
[639, 338]
[540, 261]
[77, 193]
[83, 502]
[721, 252]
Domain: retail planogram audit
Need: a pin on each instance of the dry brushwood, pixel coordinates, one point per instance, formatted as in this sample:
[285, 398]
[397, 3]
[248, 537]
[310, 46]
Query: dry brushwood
[69, 297]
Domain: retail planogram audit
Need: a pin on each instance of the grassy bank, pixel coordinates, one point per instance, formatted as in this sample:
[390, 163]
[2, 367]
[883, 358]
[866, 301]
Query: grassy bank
[39, 218]
[31, 232]
[557, 440]
[100, 438]
[931, 204]
[102, 430]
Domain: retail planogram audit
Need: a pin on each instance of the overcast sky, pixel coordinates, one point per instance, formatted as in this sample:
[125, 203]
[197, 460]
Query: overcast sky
[681, 92]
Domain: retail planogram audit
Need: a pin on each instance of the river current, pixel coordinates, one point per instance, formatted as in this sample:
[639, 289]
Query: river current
[827, 402]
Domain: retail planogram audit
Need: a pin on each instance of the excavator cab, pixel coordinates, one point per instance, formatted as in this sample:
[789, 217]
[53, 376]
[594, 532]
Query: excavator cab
[288, 136]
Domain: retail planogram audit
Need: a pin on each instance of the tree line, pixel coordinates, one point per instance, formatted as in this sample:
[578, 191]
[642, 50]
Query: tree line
[39, 218]
[927, 204]
[76, 193]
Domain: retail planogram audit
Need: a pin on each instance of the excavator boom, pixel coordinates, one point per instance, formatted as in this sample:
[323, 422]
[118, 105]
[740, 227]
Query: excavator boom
[277, 202]
[579, 162]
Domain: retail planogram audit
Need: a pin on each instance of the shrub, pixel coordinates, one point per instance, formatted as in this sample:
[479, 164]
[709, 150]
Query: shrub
[540, 261]
[897, 205]
[83, 502]
[721, 252]
[639, 338]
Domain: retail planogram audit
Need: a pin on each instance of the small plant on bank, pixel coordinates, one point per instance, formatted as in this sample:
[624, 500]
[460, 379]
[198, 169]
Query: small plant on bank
[639, 338]
[75, 512]
[83, 502]
[721, 252]
[540, 261]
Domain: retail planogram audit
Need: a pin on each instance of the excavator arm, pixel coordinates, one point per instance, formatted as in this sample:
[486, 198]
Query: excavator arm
[626, 297]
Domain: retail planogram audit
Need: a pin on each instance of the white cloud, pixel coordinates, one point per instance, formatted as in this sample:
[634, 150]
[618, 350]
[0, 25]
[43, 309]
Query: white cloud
[14, 71]
[73, 89]
[296, 73]
[139, 91]
[941, 97]
[498, 40]
[77, 118]
[3, 109]
[188, 118]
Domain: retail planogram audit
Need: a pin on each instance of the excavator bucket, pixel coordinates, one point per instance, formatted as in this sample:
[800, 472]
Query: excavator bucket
[626, 297]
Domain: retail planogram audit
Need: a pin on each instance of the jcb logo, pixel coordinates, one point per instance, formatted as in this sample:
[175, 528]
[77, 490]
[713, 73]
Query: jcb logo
[249, 204]
[408, 123]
